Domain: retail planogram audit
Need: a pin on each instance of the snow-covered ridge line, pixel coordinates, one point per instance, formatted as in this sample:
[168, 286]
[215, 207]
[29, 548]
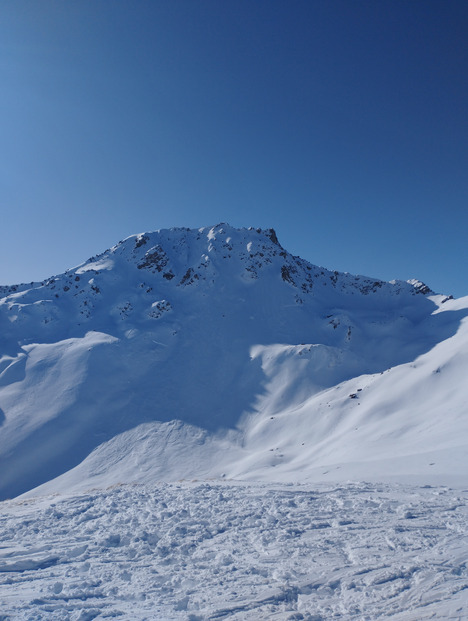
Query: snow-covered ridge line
[216, 351]
[224, 241]
[127, 277]
[179, 258]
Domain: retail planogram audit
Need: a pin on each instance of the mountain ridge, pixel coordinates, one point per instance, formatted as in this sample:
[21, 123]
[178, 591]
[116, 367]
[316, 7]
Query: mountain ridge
[217, 328]
[156, 258]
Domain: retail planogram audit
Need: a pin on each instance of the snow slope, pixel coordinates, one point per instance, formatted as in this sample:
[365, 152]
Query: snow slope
[214, 353]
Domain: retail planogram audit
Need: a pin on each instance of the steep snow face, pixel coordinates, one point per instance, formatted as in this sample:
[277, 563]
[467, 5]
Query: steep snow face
[219, 329]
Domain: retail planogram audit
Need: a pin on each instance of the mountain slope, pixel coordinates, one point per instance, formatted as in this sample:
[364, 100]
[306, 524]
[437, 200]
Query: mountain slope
[211, 352]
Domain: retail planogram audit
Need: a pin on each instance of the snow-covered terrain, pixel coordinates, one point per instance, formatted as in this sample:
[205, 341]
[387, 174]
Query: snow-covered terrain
[207, 551]
[214, 355]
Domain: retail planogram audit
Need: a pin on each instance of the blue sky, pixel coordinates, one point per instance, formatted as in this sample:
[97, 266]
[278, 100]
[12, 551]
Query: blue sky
[342, 124]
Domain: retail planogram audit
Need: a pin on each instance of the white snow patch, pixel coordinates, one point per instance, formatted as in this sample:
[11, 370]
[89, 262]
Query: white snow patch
[106, 263]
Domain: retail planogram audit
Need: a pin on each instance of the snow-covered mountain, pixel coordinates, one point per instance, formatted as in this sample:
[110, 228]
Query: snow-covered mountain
[214, 353]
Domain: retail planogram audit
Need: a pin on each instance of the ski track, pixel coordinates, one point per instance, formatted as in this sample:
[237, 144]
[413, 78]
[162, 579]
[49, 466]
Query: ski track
[213, 551]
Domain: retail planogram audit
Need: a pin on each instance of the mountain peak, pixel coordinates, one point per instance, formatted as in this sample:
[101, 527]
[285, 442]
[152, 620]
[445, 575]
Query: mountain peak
[217, 328]
[221, 263]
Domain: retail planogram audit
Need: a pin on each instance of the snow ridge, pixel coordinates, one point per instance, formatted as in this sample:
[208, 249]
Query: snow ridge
[171, 259]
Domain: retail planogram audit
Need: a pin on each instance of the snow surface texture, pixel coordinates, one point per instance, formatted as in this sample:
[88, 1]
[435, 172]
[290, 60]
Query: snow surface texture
[205, 551]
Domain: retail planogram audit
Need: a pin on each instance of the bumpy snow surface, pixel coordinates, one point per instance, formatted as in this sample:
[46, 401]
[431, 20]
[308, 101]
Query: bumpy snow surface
[218, 551]
[215, 355]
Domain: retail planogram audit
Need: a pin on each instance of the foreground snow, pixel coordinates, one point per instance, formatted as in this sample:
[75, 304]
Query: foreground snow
[235, 551]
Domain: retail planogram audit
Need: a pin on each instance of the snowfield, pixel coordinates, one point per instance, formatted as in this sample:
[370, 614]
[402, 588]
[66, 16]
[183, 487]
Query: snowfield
[193, 551]
[180, 420]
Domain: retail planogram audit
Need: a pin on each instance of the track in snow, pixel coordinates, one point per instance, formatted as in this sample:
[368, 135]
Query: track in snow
[228, 551]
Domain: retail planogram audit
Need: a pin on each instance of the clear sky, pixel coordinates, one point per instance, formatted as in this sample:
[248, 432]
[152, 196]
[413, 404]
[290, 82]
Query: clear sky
[343, 124]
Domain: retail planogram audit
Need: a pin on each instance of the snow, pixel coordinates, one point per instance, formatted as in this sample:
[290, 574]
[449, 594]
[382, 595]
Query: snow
[204, 550]
[104, 264]
[186, 422]
[302, 427]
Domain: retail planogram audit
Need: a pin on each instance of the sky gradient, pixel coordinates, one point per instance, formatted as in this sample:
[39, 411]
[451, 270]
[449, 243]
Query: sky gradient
[341, 124]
